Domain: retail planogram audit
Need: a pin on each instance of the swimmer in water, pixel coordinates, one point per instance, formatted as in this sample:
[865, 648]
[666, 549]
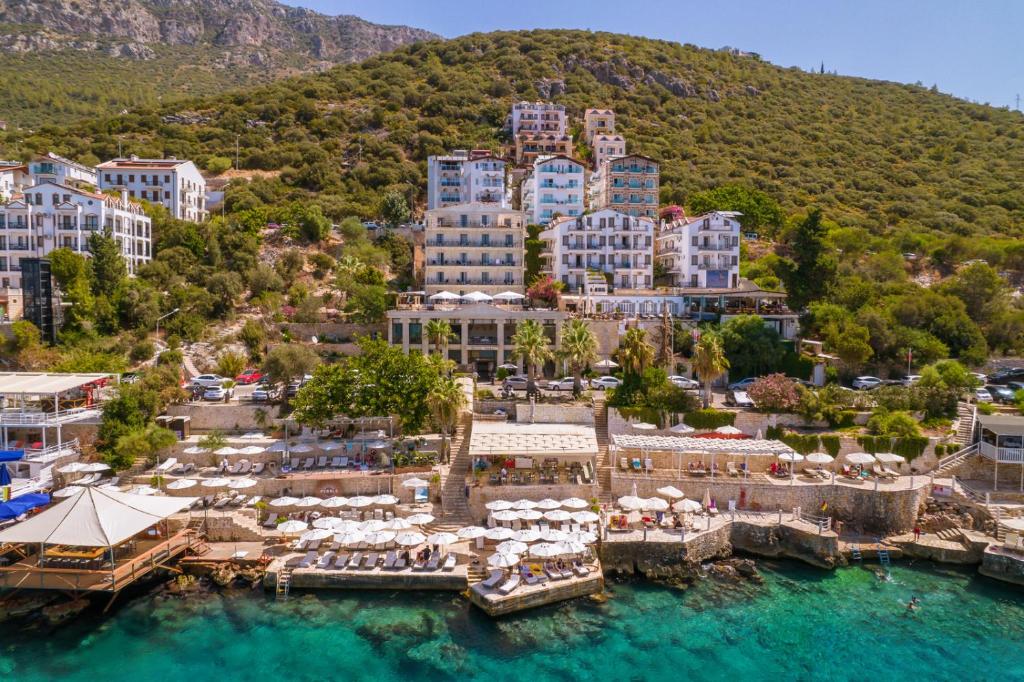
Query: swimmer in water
[912, 604]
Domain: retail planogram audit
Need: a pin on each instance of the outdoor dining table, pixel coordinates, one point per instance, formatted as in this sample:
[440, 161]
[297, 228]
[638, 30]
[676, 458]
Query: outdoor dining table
[64, 552]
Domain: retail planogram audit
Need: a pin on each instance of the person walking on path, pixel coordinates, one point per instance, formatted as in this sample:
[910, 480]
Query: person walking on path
[917, 533]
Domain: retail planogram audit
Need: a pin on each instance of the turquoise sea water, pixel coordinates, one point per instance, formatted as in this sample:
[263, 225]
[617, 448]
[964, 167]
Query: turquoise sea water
[801, 624]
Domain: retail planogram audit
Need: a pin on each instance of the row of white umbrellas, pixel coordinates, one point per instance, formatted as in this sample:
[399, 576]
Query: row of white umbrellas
[477, 296]
[83, 468]
[279, 446]
[356, 502]
[546, 504]
[852, 457]
[585, 516]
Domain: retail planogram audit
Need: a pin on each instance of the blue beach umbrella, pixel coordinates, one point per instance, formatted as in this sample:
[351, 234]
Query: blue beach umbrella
[5, 476]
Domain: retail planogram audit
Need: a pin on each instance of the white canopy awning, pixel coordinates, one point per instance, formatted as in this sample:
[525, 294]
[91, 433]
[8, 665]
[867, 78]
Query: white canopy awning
[547, 440]
[95, 518]
[687, 444]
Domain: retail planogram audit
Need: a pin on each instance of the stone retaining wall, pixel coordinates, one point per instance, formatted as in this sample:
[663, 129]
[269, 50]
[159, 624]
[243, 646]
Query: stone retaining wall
[221, 416]
[1000, 565]
[453, 581]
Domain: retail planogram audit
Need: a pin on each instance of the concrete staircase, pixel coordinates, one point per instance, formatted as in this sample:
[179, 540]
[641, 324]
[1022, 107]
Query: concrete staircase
[966, 417]
[453, 487]
[950, 462]
[604, 464]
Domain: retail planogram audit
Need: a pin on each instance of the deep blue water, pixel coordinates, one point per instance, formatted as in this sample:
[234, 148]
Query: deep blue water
[801, 624]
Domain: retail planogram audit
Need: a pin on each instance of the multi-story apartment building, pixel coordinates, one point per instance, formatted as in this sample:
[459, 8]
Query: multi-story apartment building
[464, 177]
[537, 117]
[14, 178]
[175, 183]
[49, 216]
[474, 247]
[628, 184]
[597, 122]
[702, 252]
[556, 187]
[531, 145]
[57, 169]
[607, 146]
[605, 242]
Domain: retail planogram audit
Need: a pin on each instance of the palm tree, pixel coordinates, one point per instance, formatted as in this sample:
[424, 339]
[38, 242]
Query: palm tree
[446, 401]
[531, 344]
[635, 352]
[438, 333]
[709, 361]
[578, 348]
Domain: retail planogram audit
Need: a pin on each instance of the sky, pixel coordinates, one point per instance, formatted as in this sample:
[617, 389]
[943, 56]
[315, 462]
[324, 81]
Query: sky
[970, 48]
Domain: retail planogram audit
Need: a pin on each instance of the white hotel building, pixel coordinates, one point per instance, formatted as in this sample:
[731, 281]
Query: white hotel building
[175, 183]
[600, 243]
[702, 252]
[464, 177]
[50, 216]
[556, 186]
[474, 247]
[538, 117]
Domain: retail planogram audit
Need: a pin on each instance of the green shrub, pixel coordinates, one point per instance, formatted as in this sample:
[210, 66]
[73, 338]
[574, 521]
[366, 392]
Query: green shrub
[142, 351]
[830, 444]
[802, 443]
[709, 419]
[774, 432]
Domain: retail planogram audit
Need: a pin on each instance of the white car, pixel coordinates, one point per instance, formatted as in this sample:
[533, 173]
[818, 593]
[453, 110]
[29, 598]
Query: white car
[866, 383]
[981, 395]
[217, 393]
[564, 384]
[208, 380]
[606, 382]
[685, 383]
[517, 382]
[911, 379]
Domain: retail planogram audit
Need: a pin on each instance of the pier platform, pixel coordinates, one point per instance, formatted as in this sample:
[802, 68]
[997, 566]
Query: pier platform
[524, 596]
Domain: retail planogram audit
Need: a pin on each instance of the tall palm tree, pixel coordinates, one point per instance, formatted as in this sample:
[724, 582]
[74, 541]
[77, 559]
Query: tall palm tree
[578, 348]
[439, 332]
[635, 352]
[709, 361]
[531, 344]
[446, 401]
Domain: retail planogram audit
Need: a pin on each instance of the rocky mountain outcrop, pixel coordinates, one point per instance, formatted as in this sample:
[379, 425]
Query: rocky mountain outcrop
[131, 28]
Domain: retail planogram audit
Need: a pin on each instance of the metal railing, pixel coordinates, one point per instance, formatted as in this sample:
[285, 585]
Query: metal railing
[957, 457]
[12, 417]
[823, 523]
[50, 452]
[969, 492]
[1001, 455]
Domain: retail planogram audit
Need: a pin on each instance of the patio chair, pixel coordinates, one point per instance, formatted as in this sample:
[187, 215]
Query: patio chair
[649, 465]
[636, 464]
[258, 468]
[321, 462]
[624, 464]
[730, 467]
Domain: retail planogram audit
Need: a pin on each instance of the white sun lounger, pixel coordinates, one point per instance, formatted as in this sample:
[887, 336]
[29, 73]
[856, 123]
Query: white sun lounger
[341, 560]
[580, 570]
[244, 466]
[336, 462]
[356, 559]
[449, 563]
[390, 559]
[326, 560]
[308, 560]
[167, 465]
[258, 468]
[509, 585]
[495, 578]
[294, 463]
[308, 464]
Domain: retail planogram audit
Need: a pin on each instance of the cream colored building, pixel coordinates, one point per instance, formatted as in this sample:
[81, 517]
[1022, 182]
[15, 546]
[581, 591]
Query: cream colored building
[474, 247]
[597, 122]
[605, 147]
[628, 184]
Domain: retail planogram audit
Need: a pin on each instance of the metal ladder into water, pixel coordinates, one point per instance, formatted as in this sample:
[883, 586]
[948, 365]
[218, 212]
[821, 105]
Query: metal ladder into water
[284, 583]
[855, 553]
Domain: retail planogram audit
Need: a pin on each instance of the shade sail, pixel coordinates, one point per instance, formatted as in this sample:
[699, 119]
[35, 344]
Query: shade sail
[95, 518]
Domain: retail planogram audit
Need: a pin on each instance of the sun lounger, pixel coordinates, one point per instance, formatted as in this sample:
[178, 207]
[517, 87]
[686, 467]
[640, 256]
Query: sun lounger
[258, 468]
[509, 585]
[244, 466]
[299, 545]
[399, 563]
[308, 464]
[308, 560]
[449, 563]
[390, 558]
[890, 472]
[579, 569]
[221, 503]
[344, 461]
[335, 462]
[371, 560]
[552, 572]
[566, 573]
[167, 465]
[238, 500]
[294, 463]
[492, 580]
[341, 560]
[88, 480]
[434, 562]
[314, 544]
[636, 464]
[253, 500]
[326, 560]
[418, 564]
[356, 559]
[528, 576]
[235, 469]
[321, 462]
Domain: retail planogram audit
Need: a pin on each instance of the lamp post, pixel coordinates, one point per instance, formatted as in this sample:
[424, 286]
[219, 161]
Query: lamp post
[164, 317]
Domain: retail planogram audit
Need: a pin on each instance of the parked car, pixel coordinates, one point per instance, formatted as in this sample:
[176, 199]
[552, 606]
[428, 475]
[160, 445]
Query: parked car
[565, 384]
[293, 387]
[1007, 375]
[605, 382]
[129, 378]
[1015, 386]
[982, 396]
[264, 392]
[218, 393]
[742, 384]
[803, 382]
[738, 399]
[517, 382]
[982, 379]
[866, 383]
[249, 376]
[1001, 394]
[208, 380]
[685, 383]
[911, 379]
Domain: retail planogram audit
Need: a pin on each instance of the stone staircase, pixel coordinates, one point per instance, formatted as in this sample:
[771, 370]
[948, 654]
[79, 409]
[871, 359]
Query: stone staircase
[453, 487]
[965, 424]
[604, 464]
[951, 461]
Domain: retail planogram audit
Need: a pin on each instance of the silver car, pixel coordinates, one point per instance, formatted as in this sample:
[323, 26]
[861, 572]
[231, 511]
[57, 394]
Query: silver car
[605, 382]
[208, 380]
[685, 383]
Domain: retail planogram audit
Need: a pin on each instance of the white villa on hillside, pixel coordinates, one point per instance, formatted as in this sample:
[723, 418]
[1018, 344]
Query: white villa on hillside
[464, 177]
[702, 252]
[603, 242]
[175, 183]
[474, 247]
[556, 187]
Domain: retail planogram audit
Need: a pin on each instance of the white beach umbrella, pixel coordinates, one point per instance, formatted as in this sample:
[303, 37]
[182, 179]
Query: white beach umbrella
[398, 523]
[655, 504]
[508, 296]
[506, 515]
[225, 451]
[419, 519]
[644, 426]
[529, 514]
[444, 296]
[557, 515]
[293, 527]
[330, 445]
[380, 537]
[631, 503]
[252, 450]
[334, 502]
[477, 297]
[889, 457]
[571, 547]
[499, 533]
[301, 448]
[182, 484]
[606, 364]
[215, 482]
[792, 457]
[503, 560]
[545, 550]
[687, 506]
[583, 537]
[471, 532]
[385, 500]
[585, 516]
[498, 505]
[671, 492]
[252, 435]
[317, 534]
[575, 503]
[326, 522]
[194, 450]
[72, 468]
[859, 458]
[345, 526]
[442, 538]
[350, 537]
[67, 492]
[372, 526]
[309, 501]
[242, 483]
[415, 483]
[553, 535]
[681, 428]
[279, 446]
[819, 458]
[729, 430]
[95, 467]
[283, 501]
[410, 538]
[520, 505]
[512, 547]
[526, 535]
[547, 504]
[360, 501]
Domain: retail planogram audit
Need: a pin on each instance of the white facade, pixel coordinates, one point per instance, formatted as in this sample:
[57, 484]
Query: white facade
[538, 117]
[606, 147]
[558, 186]
[703, 252]
[14, 178]
[465, 177]
[601, 242]
[474, 247]
[51, 216]
[177, 184]
[57, 169]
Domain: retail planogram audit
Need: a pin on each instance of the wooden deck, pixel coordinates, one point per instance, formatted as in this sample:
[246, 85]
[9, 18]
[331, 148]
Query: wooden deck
[28, 574]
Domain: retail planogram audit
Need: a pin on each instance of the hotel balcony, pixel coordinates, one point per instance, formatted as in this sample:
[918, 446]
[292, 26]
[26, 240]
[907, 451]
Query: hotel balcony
[473, 244]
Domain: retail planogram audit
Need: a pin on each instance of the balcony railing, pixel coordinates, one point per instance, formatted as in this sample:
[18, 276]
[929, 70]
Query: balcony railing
[476, 244]
[15, 417]
[1001, 455]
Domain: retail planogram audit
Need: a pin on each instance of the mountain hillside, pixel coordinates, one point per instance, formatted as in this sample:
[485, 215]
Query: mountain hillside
[887, 157]
[95, 55]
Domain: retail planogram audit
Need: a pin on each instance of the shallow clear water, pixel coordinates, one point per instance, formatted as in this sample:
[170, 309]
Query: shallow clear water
[801, 624]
